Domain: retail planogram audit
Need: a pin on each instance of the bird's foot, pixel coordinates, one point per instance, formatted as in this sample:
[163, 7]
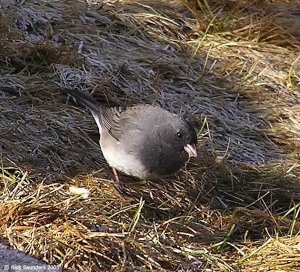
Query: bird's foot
[117, 183]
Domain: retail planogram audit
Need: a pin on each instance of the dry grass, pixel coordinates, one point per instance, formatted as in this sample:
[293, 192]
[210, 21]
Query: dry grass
[232, 65]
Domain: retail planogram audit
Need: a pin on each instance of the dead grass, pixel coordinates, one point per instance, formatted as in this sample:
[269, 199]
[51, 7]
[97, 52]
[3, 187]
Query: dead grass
[232, 65]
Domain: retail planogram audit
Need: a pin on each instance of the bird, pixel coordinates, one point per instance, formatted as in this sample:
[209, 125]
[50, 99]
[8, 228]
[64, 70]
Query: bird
[143, 141]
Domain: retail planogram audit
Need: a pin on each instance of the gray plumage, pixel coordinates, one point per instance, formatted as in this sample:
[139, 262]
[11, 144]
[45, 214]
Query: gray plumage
[142, 141]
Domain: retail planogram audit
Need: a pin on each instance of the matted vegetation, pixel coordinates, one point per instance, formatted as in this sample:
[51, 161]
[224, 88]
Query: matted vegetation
[231, 65]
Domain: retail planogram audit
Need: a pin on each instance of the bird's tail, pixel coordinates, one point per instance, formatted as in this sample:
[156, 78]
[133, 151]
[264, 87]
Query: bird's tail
[89, 102]
[84, 99]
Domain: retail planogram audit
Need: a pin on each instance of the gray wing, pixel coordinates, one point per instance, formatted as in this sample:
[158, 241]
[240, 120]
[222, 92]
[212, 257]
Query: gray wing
[111, 118]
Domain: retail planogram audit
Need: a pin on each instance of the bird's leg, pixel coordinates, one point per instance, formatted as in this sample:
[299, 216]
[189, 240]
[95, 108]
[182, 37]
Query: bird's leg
[117, 182]
[116, 175]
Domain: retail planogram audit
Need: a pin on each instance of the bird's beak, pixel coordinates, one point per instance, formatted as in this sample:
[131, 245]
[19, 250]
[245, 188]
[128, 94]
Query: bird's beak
[191, 150]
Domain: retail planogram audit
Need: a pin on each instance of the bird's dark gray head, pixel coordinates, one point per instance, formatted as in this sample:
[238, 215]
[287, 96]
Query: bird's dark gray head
[169, 145]
[180, 133]
[162, 141]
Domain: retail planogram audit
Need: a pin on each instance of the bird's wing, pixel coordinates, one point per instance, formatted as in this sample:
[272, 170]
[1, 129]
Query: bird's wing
[112, 119]
[127, 121]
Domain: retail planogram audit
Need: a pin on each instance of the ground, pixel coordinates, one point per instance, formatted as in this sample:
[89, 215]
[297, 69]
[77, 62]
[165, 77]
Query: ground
[12, 260]
[231, 66]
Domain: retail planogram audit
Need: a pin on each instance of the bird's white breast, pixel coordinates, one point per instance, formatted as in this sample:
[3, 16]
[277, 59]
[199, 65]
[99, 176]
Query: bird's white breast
[118, 158]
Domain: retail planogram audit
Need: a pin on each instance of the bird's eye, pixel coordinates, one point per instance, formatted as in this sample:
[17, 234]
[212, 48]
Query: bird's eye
[179, 135]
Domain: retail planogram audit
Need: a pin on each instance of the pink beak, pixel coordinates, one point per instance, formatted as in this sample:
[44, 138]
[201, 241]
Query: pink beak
[191, 150]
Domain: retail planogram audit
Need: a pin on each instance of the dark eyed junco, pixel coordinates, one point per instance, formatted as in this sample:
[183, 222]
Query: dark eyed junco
[144, 141]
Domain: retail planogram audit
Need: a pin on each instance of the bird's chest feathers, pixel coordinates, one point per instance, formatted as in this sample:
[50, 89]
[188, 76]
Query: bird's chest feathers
[119, 158]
